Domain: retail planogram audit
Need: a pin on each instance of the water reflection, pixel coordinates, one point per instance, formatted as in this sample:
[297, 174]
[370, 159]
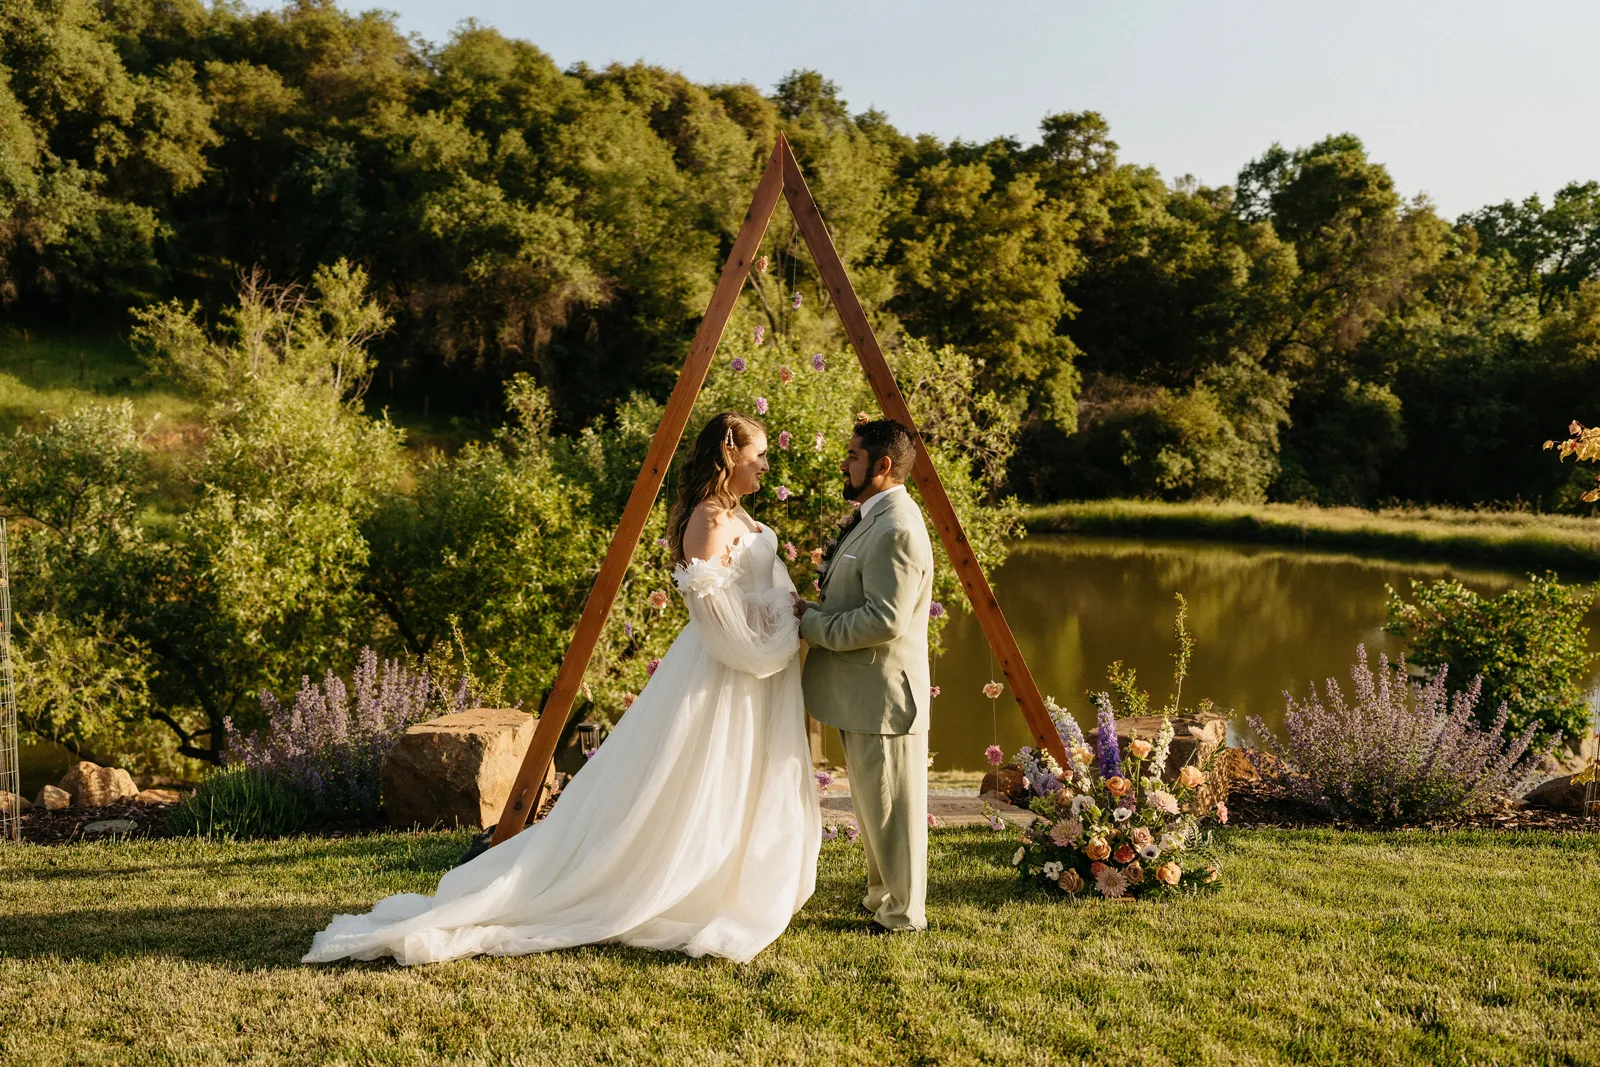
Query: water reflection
[1265, 619]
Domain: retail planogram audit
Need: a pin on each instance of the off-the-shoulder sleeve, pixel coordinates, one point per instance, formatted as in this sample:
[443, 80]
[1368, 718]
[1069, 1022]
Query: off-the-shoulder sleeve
[755, 633]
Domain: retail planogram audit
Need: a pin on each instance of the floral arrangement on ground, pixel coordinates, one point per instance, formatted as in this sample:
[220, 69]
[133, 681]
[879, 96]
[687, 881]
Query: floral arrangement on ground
[1111, 824]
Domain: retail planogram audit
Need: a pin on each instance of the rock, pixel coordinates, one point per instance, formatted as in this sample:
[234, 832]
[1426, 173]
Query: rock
[11, 804]
[1007, 782]
[53, 798]
[1572, 756]
[110, 828]
[157, 796]
[94, 786]
[1559, 794]
[456, 770]
[1195, 738]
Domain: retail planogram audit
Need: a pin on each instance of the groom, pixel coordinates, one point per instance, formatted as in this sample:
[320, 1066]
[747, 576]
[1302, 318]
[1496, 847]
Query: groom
[867, 671]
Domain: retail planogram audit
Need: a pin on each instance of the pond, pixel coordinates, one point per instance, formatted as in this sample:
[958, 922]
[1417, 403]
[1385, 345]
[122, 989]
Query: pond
[1265, 619]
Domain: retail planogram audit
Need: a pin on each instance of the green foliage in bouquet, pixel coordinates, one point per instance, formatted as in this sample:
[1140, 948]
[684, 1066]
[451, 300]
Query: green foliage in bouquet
[1110, 824]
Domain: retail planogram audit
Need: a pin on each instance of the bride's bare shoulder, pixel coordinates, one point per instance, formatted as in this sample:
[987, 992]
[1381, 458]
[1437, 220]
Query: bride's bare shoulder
[709, 533]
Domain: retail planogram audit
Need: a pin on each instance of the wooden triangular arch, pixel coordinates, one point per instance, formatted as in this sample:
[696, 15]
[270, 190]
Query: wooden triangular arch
[782, 175]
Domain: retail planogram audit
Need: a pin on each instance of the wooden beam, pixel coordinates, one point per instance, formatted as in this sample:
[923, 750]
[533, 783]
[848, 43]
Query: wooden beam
[881, 378]
[526, 792]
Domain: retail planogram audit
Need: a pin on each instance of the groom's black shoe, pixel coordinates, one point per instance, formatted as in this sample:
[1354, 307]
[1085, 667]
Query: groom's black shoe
[877, 929]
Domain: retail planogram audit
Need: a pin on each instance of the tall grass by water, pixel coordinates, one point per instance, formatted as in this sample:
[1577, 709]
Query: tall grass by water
[1510, 539]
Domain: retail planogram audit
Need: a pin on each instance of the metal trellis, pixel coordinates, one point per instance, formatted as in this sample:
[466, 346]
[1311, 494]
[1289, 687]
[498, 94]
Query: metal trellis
[10, 770]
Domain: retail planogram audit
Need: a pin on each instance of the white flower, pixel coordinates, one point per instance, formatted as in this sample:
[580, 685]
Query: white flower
[1171, 842]
[1149, 851]
[1122, 814]
[1026, 784]
[1080, 802]
[1017, 859]
[1052, 870]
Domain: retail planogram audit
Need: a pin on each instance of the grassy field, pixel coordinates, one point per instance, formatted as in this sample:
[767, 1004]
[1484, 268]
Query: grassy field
[53, 373]
[1323, 947]
[1505, 538]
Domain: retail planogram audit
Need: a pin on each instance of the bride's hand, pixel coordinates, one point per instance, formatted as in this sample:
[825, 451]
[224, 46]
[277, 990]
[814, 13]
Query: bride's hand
[799, 606]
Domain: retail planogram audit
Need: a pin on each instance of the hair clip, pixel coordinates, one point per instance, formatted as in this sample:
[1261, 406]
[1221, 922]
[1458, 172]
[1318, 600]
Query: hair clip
[728, 439]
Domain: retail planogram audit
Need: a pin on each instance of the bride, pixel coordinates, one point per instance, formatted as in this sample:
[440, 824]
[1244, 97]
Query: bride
[696, 826]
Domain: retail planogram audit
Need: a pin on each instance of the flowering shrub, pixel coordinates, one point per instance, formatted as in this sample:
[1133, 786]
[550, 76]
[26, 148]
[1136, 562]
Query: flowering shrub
[329, 747]
[1398, 752]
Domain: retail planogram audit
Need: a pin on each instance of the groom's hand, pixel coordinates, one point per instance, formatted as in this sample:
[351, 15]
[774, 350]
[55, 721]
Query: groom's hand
[799, 606]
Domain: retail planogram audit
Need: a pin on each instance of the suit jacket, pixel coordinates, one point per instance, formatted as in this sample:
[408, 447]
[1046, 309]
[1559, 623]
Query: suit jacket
[867, 670]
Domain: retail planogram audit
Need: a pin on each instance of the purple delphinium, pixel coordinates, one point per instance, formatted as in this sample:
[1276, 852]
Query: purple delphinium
[1067, 729]
[1397, 752]
[329, 745]
[1106, 738]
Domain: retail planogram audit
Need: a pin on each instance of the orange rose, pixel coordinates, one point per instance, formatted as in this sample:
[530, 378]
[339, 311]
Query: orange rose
[1083, 753]
[1123, 854]
[1212, 874]
[1140, 835]
[1191, 777]
[1133, 873]
[1070, 880]
[1117, 785]
[1139, 748]
[1097, 849]
[1169, 873]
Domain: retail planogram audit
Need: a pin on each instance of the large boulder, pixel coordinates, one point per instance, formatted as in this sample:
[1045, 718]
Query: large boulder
[456, 770]
[12, 804]
[94, 786]
[1559, 794]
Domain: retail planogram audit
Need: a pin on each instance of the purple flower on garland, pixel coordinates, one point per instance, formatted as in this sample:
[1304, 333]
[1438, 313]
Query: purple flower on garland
[650, 668]
[851, 832]
[818, 442]
[824, 779]
[817, 362]
[935, 610]
[761, 405]
[1106, 738]
[738, 364]
[783, 492]
[761, 334]
[994, 755]
[796, 302]
[627, 629]
[783, 440]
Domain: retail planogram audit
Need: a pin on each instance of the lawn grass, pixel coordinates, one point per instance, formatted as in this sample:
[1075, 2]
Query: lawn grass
[1323, 947]
[1513, 539]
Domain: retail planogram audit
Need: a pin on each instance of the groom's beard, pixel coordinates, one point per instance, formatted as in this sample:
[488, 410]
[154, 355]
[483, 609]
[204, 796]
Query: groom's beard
[852, 491]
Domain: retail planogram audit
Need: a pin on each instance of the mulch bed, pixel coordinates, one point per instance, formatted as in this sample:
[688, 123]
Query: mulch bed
[1266, 806]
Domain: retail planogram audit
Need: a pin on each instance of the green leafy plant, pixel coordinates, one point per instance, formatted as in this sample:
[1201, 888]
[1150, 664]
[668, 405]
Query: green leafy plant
[1528, 645]
[238, 802]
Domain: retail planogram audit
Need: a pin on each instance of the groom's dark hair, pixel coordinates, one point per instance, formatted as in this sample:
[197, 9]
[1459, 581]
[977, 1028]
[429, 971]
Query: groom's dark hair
[885, 437]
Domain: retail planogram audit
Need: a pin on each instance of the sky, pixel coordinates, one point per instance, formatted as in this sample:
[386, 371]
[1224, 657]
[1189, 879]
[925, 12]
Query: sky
[1469, 101]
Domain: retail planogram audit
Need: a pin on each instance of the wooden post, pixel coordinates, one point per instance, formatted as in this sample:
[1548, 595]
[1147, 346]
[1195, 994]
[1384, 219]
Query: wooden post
[881, 378]
[782, 175]
[525, 792]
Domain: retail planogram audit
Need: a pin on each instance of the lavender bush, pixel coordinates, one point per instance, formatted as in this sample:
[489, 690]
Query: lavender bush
[330, 742]
[1397, 752]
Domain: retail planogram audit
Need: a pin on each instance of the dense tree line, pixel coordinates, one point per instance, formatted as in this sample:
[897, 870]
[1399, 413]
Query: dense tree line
[1306, 333]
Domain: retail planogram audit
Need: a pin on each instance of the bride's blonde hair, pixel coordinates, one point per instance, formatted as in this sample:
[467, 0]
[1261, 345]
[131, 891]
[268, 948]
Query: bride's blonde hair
[704, 474]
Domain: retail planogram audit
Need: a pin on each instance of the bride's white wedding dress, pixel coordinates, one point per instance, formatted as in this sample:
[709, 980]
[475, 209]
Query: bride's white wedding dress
[695, 827]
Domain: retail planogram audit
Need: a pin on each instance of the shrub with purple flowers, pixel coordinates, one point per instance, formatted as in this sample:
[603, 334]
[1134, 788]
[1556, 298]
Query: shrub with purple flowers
[330, 741]
[1398, 751]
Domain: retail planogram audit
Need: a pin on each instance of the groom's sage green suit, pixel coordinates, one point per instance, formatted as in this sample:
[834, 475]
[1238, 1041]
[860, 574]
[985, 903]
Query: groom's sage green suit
[867, 674]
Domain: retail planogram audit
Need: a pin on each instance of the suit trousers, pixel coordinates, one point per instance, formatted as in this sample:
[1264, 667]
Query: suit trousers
[889, 792]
